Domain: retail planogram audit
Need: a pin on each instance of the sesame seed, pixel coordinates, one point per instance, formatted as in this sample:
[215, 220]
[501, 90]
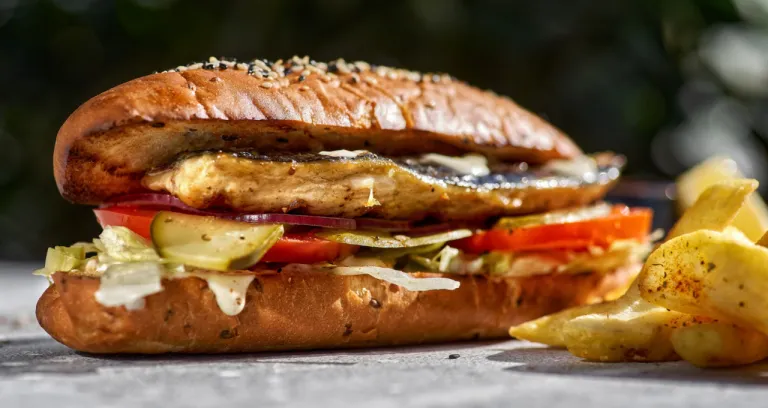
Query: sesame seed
[261, 65]
[315, 69]
[343, 67]
[267, 85]
[303, 88]
[332, 72]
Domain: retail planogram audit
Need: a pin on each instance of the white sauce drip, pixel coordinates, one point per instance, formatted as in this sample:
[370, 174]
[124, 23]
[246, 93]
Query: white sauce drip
[128, 284]
[470, 164]
[344, 153]
[581, 166]
[229, 290]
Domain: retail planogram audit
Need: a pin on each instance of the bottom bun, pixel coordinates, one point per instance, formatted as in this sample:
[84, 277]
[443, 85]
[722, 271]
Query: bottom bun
[303, 310]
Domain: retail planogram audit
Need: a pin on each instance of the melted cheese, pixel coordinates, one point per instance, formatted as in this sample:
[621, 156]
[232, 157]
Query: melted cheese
[470, 164]
[229, 290]
[343, 153]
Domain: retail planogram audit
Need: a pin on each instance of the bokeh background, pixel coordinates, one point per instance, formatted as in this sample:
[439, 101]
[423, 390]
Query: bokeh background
[666, 82]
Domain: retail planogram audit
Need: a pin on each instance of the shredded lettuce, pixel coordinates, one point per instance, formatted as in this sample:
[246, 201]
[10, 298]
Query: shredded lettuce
[399, 278]
[126, 284]
[440, 262]
[375, 239]
[498, 263]
[119, 244]
[395, 253]
[63, 259]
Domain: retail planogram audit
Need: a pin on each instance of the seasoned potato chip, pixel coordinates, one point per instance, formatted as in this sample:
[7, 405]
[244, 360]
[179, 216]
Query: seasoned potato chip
[708, 273]
[549, 329]
[626, 329]
[633, 330]
[715, 208]
[752, 218]
[719, 344]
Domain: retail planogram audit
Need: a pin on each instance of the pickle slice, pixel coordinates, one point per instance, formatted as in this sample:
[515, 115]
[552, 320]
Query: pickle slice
[210, 242]
[554, 217]
[377, 239]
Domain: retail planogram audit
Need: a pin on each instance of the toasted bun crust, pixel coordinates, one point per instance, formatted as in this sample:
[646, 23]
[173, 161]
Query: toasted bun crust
[109, 142]
[309, 311]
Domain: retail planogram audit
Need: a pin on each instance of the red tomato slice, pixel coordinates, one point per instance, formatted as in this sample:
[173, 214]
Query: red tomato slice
[135, 219]
[293, 248]
[305, 248]
[623, 223]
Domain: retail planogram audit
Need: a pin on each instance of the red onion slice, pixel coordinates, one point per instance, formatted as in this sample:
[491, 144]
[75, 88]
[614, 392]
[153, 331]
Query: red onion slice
[293, 219]
[167, 201]
[382, 225]
[155, 199]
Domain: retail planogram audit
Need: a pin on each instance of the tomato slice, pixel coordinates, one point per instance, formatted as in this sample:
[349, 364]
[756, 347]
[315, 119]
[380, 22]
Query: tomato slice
[306, 248]
[622, 223]
[292, 248]
[135, 219]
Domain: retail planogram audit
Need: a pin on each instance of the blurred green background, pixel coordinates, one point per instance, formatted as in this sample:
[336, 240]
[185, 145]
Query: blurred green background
[666, 82]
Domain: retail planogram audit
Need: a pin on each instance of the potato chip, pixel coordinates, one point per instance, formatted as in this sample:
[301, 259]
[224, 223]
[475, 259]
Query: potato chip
[715, 208]
[709, 273]
[719, 344]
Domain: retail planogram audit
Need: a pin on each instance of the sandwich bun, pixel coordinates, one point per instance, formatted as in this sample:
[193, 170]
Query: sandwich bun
[106, 146]
[304, 310]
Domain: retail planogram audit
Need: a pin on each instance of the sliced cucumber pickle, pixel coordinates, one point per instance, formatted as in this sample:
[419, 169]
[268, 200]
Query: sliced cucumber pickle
[554, 217]
[210, 242]
[376, 239]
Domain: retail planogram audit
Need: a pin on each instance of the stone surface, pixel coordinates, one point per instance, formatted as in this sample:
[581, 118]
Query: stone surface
[37, 371]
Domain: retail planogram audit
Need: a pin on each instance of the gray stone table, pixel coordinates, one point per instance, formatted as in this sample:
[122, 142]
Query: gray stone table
[35, 371]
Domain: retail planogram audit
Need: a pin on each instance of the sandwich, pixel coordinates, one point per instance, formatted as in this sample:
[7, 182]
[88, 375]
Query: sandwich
[251, 206]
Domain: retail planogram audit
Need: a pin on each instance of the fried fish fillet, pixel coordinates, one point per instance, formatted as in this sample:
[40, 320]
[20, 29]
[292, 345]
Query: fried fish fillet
[373, 185]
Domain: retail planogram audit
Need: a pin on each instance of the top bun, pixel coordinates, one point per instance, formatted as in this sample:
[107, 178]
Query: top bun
[107, 145]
